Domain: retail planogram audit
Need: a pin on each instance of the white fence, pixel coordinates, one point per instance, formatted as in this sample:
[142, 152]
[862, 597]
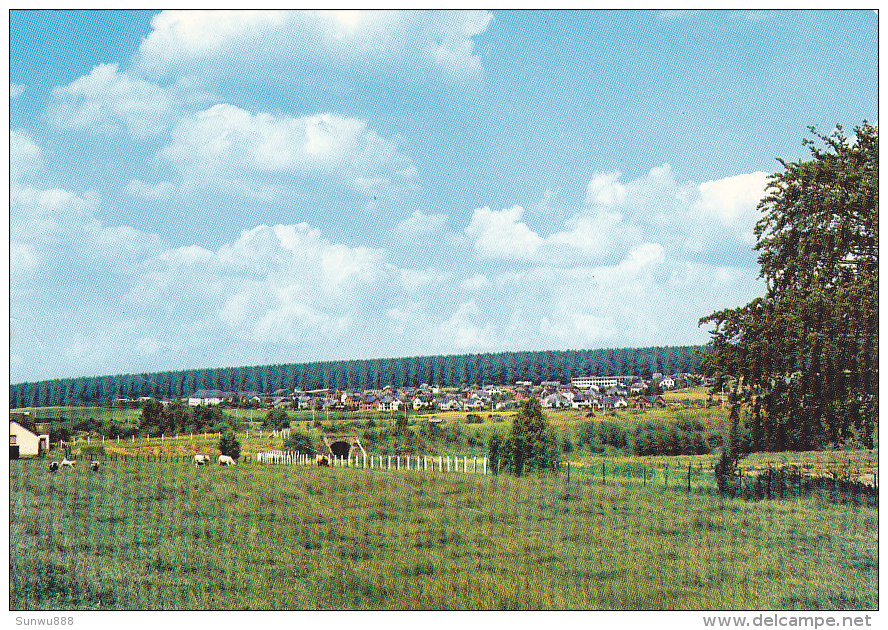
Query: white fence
[440, 463]
[178, 436]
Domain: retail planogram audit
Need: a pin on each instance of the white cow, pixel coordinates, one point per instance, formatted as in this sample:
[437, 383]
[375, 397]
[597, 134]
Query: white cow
[68, 462]
[225, 460]
[201, 460]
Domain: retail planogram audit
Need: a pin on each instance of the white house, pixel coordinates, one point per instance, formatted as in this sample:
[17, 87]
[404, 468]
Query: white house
[206, 397]
[25, 443]
[556, 401]
[388, 403]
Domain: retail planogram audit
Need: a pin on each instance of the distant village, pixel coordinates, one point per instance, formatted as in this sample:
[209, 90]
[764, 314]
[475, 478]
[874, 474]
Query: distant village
[587, 392]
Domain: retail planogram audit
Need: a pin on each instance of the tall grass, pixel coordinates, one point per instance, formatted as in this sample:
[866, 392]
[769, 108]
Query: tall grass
[156, 535]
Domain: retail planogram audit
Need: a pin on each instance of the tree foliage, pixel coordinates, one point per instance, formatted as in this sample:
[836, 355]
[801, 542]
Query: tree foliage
[277, 419]
[228, 445]
[447, 371]
[803, 359]
[299, 442]
[531, 444]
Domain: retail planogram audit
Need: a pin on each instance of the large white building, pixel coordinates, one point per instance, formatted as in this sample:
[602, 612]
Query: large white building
[584, 382]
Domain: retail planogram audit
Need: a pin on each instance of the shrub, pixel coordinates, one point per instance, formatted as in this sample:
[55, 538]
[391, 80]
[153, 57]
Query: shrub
[277, 419]
[228, 445]
[531, 445]
[684, 423]
[299, 442]
[473, 418]
[494, 451]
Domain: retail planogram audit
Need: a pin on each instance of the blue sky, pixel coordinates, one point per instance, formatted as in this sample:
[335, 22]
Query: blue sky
[214, 189]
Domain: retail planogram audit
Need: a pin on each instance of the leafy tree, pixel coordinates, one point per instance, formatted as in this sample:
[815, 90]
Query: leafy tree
[151, 414]
[803, 359]
[531, 445]
[277, 419]
[299, 442]
[228, 445]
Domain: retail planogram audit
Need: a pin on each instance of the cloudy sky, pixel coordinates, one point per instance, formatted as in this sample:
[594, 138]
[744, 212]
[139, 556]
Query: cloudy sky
[220, 189]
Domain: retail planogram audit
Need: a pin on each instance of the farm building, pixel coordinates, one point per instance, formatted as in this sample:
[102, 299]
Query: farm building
[23, 442]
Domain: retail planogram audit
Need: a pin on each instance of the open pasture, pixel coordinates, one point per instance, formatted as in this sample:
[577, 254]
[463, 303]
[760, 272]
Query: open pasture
[166, 535]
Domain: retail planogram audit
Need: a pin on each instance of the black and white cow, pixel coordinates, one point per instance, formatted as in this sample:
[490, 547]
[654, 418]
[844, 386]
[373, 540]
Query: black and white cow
[201, 460]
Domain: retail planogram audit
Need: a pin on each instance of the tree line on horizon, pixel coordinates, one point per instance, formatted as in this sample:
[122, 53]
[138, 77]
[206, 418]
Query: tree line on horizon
[443, 370]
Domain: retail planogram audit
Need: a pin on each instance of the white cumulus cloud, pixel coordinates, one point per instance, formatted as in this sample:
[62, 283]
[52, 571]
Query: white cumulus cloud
[502, 234]
[421, 224]
[209, 43]
[228, 142]
[108, 100]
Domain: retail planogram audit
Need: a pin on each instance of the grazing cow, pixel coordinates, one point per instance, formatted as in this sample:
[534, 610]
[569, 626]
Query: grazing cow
[201, 460]
[225, 460]
[94, 465]
[54, 466]
[322, 460]
[68, 462]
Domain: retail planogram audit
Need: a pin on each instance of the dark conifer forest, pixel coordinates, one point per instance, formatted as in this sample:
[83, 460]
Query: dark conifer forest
[446, 371]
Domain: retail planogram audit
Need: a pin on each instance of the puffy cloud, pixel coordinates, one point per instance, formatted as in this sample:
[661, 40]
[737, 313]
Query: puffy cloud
[227, 142]
[59, 227]
[421, 224]
[715, 216]
[107, 101]
[502, 234]
[25, 157]
[212, 42]
[732, 202]
[605, 189]
[281, 284]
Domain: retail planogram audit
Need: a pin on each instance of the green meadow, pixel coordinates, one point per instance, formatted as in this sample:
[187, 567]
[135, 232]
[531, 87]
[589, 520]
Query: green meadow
[148, 535]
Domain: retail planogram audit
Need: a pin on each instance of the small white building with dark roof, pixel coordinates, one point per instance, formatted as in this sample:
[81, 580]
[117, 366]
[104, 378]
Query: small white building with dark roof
[24, 442]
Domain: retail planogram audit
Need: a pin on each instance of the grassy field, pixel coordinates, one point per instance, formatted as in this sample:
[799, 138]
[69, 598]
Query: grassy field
[167, 535]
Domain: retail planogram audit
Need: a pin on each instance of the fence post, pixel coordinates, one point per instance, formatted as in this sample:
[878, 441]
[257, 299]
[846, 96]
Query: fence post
[474, 464]
[568, 472]
[389, 462]
[689, 477]
[484, 464]
[465, 463]
[644, 477]
[118, 439]
[603, 480]
[666, 476]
